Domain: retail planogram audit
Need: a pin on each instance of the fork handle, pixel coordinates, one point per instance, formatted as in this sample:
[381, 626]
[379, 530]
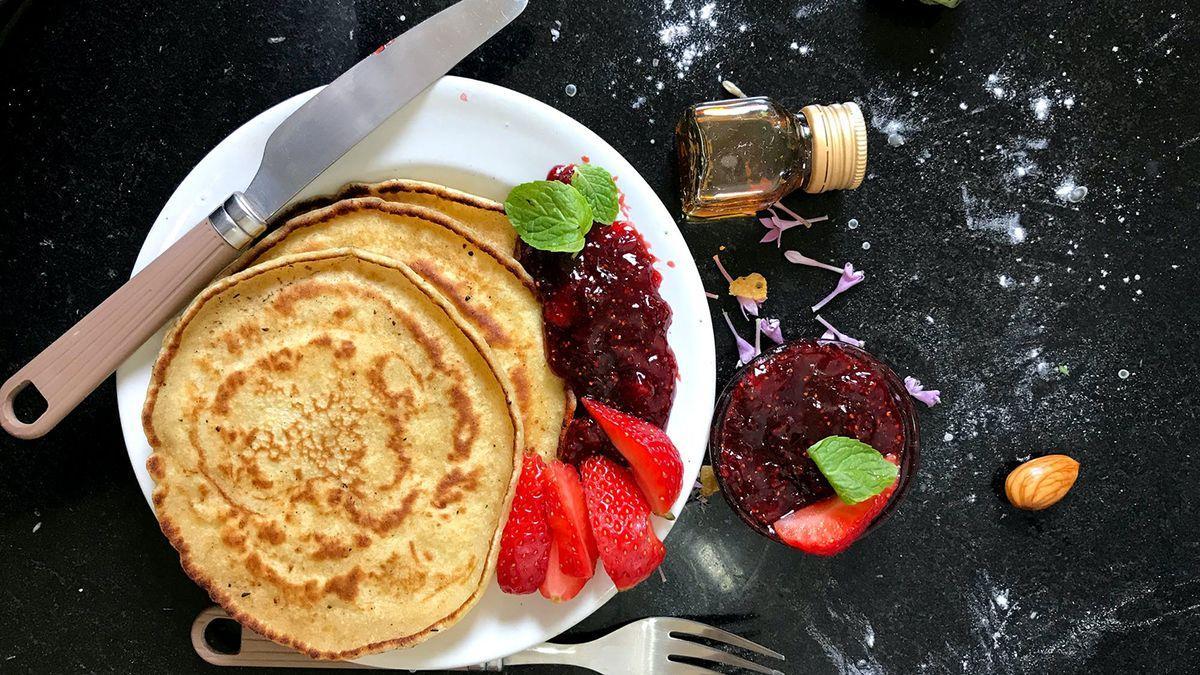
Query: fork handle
[258, 651]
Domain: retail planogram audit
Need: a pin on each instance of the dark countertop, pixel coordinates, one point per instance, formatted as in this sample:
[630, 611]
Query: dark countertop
[106, 106]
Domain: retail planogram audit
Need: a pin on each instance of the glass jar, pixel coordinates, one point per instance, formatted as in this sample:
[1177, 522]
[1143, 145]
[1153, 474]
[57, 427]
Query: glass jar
[737, 157]
[790, 397]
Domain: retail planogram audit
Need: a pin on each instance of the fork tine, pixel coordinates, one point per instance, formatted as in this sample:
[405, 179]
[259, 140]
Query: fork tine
[698, 651]
[695, 628]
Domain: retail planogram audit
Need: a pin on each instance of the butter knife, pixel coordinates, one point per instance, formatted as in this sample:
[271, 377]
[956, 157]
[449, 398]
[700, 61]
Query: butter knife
[304, 145]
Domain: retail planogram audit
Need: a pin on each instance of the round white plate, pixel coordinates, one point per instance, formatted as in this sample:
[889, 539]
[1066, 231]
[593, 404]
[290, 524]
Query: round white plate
[483, 139]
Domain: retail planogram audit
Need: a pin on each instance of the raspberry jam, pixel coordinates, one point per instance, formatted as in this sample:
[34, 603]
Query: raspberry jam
[791, 397]
[606, 327]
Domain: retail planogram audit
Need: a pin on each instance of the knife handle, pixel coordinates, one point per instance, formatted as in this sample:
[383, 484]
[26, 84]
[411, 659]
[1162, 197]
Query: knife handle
[76, 363]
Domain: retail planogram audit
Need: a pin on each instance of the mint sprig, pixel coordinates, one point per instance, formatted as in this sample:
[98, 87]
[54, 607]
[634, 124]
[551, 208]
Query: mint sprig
[549, 215]
[597, 186]
[856, 471]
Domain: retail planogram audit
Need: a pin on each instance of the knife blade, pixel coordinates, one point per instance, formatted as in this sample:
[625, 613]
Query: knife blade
[303, 146]
[333, 121]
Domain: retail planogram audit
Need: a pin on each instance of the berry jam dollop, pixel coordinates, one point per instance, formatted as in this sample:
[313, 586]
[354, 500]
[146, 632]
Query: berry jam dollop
[788, 399]
[606, 328]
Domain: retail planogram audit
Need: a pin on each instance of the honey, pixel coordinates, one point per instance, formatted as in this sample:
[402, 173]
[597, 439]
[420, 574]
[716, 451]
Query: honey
[738, 156]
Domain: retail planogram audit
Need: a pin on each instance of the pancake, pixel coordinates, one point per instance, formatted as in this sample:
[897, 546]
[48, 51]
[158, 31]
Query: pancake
[489, 288]
[483, 218]
[334, 452]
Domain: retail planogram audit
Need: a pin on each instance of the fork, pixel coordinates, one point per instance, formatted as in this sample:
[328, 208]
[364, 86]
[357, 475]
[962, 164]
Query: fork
[650, 645]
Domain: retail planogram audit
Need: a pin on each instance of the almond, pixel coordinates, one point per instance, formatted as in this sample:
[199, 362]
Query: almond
[1040, 483]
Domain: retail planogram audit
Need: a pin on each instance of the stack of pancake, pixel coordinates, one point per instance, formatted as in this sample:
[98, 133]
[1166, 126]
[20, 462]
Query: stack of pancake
[337, 424]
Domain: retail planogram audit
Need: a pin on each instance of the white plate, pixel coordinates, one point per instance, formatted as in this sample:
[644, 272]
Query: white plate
[483, 139]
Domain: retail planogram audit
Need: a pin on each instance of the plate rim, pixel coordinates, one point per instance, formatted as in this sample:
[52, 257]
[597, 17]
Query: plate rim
[699, 337]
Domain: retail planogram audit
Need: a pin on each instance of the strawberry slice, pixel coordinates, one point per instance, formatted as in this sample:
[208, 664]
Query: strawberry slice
[566, 513]
[830, 526]
[620, 519]
[557, 586]
[525, 543]
[650, 453]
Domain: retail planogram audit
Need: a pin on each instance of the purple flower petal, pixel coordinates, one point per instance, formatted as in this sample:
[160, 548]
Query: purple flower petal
[801, 259]
[832, 333]
[746, 351]
[929, 397]
[770, 328]
[848, 281]
[749, 306]
[717, 259]
[771, 236]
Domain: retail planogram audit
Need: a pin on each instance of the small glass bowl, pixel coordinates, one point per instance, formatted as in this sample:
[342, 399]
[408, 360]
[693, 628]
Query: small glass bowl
[908, 460]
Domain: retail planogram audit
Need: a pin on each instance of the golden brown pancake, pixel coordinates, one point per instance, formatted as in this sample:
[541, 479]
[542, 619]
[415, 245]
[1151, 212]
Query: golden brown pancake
[489, 288]
[483, 218]
[334, 452]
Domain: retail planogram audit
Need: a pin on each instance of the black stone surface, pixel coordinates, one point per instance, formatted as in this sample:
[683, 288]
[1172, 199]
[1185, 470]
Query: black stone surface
[105, 106]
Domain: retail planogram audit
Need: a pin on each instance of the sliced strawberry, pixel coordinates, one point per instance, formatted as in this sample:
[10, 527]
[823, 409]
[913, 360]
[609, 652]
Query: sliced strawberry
[620, 519]
[558, 586]
[830, 526]
[650, 453]
[566, 513]
[525, 543]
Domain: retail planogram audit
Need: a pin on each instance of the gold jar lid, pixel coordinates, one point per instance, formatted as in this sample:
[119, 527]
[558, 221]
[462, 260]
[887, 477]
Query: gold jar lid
[839, 147]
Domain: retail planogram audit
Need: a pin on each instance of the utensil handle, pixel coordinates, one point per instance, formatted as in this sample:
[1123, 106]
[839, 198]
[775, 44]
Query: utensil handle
[258, 651]
[76, 363]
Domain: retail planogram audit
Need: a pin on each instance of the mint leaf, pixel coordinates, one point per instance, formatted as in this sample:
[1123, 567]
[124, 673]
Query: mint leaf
[599, 190]
[856, 471]
[549, 215]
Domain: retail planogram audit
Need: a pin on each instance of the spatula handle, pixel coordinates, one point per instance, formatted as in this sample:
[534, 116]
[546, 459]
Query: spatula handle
[76, 363]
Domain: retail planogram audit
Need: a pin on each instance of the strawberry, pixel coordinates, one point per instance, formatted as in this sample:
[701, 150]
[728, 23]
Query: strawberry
[831, 525]
[567, 516]
[558, 586]
[525, 543]
[620, 519]
[650, 453]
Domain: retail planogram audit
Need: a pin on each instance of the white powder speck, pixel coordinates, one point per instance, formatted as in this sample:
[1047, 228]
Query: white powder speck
[866, 246]
[1001, 600]
[671, 34]
[852, 223]
[275, 40]
[37, 526]
[638, 102]
[1068, 102]
[794, 46]
[1123, 374]
[1041, 108]
[706, 12]
[998, 92]
[962, 106]
[1006, 281]
[554, 34]
[1069, 192]
[948, 437]
[929, 319]
[571, 90]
